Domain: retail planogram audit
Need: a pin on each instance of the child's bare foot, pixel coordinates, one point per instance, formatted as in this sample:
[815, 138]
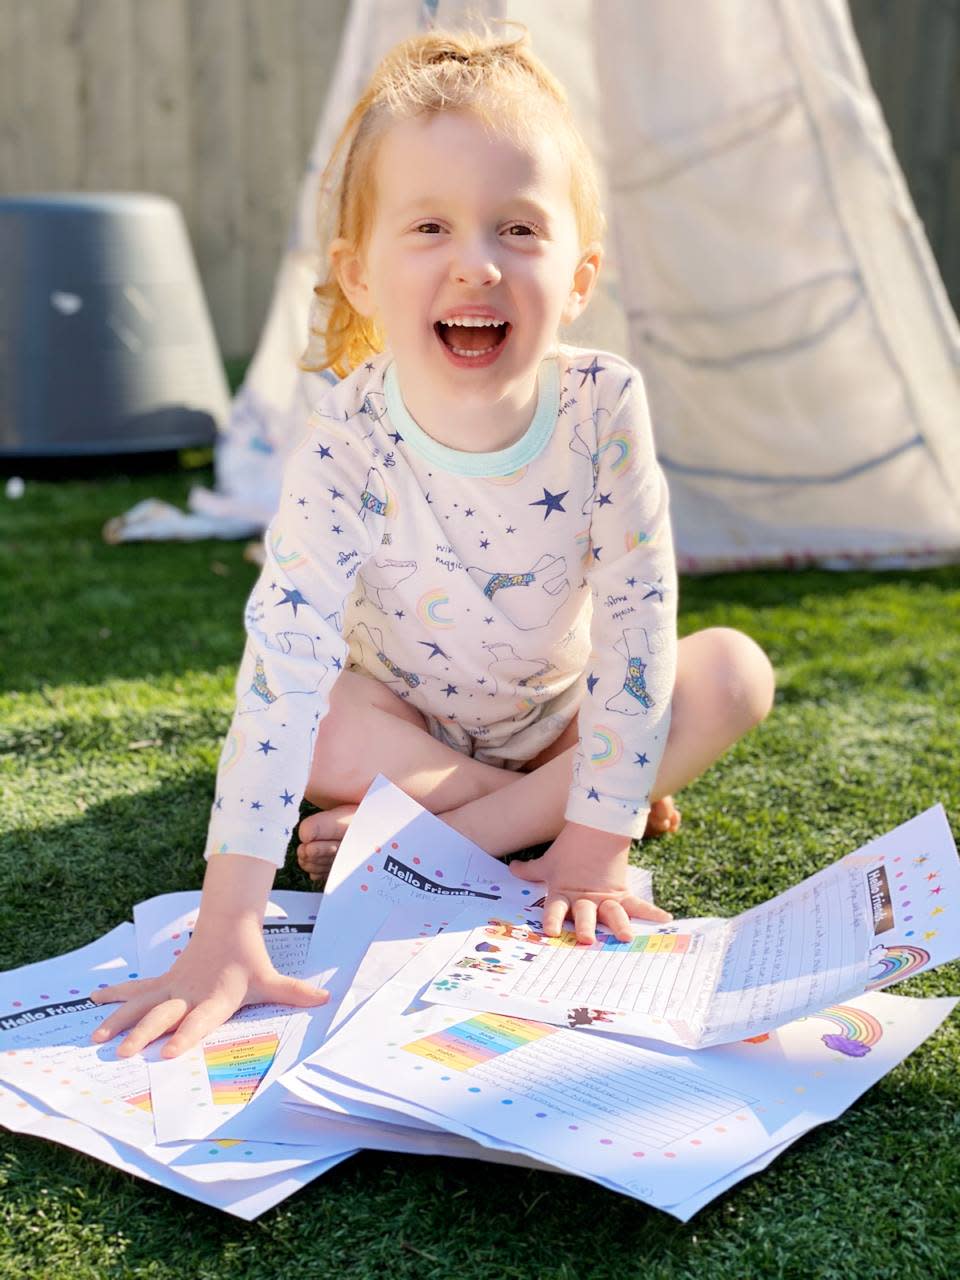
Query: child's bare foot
[664, 818]
[320, 836]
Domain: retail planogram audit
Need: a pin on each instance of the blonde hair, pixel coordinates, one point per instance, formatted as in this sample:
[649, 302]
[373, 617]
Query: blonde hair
[500, 81]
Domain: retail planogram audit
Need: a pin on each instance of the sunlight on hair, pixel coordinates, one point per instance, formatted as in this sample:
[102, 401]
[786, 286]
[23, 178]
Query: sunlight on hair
[499, 80]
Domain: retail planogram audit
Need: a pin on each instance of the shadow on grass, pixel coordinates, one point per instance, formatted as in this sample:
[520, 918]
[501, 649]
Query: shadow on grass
[68, 883]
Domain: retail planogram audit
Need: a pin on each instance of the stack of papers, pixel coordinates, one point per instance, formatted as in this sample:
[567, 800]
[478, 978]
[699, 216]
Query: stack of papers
[667, 1068]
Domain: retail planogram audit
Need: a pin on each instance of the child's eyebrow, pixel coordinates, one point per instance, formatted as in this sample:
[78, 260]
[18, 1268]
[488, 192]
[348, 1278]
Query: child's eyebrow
[528, 206]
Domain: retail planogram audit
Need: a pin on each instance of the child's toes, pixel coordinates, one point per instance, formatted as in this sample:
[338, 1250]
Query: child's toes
[329, 824]
[317, 855]
[664, 818]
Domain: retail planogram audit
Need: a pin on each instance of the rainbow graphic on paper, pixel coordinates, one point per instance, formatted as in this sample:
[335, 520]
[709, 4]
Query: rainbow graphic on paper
[897, 963]
[236, 1067]
[288, 559]
[622, 446]
[513, 477]
[652, 944]
[141, 1100]
[430, 609]
[858, 1030]
[610, 747]
[470, 1044]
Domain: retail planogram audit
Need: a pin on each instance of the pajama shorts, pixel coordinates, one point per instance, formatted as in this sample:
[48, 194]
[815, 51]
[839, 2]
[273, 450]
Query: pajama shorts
[505, 745]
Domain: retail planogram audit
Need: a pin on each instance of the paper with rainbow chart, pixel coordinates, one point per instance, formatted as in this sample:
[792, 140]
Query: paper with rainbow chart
[882, 913]
[671, 1127]
[46, 1020]
[197, 1092]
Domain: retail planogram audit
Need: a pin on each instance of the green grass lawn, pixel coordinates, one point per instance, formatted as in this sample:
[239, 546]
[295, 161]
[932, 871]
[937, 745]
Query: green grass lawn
[115, 686]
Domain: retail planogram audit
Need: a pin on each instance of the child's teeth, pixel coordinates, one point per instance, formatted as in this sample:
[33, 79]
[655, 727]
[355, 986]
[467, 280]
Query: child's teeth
[470, 322]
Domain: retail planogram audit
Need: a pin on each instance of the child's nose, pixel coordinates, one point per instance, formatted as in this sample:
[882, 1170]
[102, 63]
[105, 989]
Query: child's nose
[476, 268]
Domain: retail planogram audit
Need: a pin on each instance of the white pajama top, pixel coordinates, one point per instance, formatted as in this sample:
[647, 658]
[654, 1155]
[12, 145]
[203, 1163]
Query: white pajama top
[497, 592]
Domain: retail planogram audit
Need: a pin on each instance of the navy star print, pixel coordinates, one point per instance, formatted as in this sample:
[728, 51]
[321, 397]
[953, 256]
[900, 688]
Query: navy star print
[550, 502]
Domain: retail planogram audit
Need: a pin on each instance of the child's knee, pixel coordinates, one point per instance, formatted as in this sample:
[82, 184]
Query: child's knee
[745, 677]
[361, 709]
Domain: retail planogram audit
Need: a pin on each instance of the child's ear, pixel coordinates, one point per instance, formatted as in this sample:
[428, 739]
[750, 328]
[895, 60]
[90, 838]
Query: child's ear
[348, 266]
[584, 279]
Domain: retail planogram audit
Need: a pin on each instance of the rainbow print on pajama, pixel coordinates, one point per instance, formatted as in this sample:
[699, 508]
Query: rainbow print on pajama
[897, 963]
[858, 1030]
[621, 445]
[287, 559]
[232, 750]
[474, 1042]
[635, 538]
[609, 747]
[236, 1067]
[430, 609]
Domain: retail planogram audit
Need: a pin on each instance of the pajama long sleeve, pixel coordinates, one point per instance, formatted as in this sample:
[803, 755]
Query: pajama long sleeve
[326, 527]
[625, 716]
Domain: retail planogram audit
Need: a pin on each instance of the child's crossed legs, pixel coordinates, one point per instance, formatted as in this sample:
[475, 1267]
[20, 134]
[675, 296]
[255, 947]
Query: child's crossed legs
[724, 687]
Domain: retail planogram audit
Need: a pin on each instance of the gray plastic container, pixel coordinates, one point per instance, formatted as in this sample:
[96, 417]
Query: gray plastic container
[106, 344]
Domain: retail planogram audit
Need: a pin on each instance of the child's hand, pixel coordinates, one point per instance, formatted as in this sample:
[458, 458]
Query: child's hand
[585, 872]
[225, 965]
[203, 989]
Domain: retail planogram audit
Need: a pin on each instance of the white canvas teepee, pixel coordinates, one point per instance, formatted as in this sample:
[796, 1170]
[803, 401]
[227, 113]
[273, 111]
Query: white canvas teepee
[766, 271]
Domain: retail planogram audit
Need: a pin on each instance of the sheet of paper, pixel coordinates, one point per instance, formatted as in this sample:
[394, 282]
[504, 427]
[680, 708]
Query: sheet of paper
[387, 1135]
[396, 856]
[194, 1093]
[874, 1031]
[589, 1103]
[46, 1020]
[873, 917]
[246, 1200]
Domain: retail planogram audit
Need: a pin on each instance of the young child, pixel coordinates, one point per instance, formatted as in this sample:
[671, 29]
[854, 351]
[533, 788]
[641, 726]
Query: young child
[469, 585]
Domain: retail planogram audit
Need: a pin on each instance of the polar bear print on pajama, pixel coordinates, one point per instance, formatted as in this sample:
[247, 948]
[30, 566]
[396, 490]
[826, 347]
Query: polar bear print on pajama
[380, 578]
[507, 668]
[528, 598]
[375, 498]
[584, 433]
[633, 699]
[374, 659]
[263, 691]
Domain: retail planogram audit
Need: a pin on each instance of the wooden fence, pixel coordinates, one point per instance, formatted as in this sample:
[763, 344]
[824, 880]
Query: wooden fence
[214, 103]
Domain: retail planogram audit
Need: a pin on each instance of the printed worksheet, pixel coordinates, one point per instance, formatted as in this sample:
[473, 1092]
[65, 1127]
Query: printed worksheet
[196, 1092]
[21, 1113]
[668, 1126]
[878, 915]
[397, 862]
[46, 1020]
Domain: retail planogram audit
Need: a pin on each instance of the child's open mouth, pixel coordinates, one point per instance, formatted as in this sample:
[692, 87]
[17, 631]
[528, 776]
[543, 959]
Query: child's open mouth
[475, 345]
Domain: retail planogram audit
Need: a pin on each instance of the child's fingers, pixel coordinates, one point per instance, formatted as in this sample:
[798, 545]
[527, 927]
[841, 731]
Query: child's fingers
[199, 1022]
[124, 1017]
[613, 917]
[161, 1018]
[585, 920]
[121, 991]
[554, 913]
[640, 909]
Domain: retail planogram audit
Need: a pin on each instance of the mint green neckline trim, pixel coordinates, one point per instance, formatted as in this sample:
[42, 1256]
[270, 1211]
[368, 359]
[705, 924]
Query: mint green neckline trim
[501, 461]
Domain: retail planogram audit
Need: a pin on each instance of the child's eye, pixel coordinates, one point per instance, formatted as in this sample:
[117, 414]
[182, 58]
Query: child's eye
[518, 229]
[428, 228]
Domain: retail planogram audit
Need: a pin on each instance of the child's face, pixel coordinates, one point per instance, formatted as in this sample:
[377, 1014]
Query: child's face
[466, 221]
